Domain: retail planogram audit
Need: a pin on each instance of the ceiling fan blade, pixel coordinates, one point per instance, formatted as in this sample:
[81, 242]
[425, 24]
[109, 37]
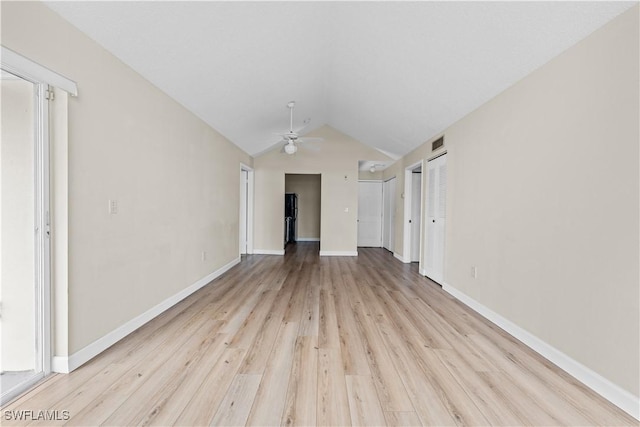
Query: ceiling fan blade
[305, 124]
[310, 139]
[314, 148]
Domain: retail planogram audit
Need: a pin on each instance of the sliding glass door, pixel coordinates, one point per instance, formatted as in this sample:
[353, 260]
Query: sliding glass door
[24, 235]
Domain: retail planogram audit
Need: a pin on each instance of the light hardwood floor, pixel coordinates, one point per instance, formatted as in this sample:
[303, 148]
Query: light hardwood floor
[304, 340]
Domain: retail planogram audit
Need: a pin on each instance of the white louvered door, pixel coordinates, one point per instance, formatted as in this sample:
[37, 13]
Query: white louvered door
[436, 218]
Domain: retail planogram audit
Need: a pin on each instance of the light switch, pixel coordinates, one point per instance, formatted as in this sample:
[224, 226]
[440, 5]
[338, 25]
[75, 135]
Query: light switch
[346, 209]
[113, 207]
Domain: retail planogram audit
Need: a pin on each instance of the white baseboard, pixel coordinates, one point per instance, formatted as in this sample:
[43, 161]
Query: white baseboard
[268, 251]
[66, 364]
[338, 253]
[422, 272]
[596, 382]
[398, 256]
[308, 239]
[60, 364]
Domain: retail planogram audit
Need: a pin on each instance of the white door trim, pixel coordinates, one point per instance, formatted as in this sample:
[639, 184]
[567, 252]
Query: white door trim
[27, 69]
[406, 241]
[43, 218]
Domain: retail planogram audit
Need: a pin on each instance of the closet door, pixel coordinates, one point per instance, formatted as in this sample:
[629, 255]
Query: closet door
[389, 200]
[436, 218]
[416, 202]
[370, 214]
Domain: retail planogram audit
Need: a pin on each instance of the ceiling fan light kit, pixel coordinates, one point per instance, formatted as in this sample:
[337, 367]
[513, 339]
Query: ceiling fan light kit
[290, 148]
[291, 138]
[374, 168]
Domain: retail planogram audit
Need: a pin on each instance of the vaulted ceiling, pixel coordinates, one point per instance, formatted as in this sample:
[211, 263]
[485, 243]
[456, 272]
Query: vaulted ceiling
[389, 74]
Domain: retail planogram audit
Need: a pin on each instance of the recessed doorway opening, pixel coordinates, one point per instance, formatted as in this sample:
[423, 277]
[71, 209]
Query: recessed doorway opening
[302, 209]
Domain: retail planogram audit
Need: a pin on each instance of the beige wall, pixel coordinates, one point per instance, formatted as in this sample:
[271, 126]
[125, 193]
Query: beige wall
[175, 178]
[543, 199]
[337, 162]
[17, 250]
[307, 187]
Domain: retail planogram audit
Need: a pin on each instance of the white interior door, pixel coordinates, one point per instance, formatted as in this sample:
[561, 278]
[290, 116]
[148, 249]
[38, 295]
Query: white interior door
[392, 214]
[370, 214]
[416, 201]
[436, 218]
[244, 182]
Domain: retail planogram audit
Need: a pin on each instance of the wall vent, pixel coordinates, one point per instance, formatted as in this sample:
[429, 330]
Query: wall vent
[437, 143]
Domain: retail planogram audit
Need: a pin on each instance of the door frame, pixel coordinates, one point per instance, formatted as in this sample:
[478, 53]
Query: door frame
[408, 187]
[248, 207]
[320, 211]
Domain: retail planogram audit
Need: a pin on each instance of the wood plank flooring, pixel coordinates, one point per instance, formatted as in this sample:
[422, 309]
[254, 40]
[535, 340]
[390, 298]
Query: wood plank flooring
[332, 341]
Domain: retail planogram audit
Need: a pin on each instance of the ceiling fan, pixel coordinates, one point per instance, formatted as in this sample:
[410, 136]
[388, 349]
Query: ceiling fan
[292, 138]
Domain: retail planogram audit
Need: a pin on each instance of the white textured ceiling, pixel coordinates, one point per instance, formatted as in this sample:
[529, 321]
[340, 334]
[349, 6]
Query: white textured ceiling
[389, 74]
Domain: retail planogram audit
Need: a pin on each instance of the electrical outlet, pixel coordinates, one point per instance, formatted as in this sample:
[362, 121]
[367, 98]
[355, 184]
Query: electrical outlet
[474, 272]
[346, 209]
[113, 207]
[204, 255]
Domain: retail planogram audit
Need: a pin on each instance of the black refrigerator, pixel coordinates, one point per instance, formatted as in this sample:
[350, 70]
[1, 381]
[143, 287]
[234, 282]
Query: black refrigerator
[290, 217]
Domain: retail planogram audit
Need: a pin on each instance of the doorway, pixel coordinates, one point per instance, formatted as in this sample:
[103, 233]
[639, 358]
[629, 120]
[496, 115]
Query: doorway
[412, 212]
[25, 357]
[302, 209]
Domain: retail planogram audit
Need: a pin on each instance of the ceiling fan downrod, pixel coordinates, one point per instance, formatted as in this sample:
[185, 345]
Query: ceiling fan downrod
[290, 105]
